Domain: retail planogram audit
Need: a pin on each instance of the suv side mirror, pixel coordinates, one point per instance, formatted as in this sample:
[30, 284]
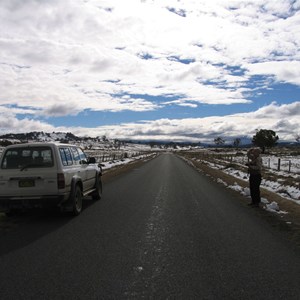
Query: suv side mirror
[92, 160]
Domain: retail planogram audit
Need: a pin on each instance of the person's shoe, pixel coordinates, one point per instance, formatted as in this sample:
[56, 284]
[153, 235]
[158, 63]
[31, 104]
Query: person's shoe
[251, 204]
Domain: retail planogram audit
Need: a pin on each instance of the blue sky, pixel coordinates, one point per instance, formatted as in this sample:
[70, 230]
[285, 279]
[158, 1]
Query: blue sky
[187, 70]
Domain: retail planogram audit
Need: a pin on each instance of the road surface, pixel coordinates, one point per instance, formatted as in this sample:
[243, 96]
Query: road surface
[161, 231]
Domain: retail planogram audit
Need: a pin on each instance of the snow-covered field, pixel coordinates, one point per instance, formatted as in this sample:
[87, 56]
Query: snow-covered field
[112, 157]
[284, 163]
[288, 192]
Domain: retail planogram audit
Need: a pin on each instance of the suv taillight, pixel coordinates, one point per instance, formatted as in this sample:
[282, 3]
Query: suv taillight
[61, 184]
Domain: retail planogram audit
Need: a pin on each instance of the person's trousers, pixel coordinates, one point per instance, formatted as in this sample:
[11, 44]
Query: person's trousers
[255, 181]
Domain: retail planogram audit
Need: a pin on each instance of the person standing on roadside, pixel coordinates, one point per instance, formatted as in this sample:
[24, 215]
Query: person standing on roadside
[254, 169]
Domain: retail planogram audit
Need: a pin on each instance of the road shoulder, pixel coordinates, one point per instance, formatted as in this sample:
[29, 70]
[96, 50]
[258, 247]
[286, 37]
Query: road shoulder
[288, 223]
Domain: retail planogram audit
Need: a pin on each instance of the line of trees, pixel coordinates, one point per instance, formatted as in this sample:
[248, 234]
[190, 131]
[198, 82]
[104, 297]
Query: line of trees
[263, 138]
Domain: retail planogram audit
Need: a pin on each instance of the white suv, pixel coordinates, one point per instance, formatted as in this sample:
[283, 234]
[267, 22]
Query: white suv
[47, 174]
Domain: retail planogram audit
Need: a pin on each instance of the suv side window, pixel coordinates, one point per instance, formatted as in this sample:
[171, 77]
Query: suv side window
[66, 156]
[82, 156]
[76, 155]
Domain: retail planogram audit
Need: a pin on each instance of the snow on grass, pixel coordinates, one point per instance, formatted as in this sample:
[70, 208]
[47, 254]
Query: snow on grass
[271, 207]
[286, 191]
[284, 165]
[114, 163]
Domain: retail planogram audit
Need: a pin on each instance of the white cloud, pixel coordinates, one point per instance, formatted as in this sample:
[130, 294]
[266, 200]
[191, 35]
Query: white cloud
[10, 124]
[283, 119]
[283, 71]
[61, 58]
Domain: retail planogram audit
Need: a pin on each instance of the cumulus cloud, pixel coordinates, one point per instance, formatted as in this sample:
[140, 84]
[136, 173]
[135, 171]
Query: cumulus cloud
[282, 71]
[284, 119]
[9, 124]
[278, 111]
[61, 58]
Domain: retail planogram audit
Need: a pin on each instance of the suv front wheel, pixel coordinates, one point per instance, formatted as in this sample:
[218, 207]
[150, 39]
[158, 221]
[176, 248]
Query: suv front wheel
[97, 194]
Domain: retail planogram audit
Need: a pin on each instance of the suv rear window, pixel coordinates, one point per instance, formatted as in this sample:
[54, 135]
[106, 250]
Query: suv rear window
[33, 157]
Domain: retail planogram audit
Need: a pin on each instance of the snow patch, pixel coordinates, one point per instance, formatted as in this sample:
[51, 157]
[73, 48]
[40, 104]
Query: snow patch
[274, 208]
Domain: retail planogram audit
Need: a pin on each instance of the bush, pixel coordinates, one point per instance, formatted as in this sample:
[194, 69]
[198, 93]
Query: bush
[5, 143]
[239, 154]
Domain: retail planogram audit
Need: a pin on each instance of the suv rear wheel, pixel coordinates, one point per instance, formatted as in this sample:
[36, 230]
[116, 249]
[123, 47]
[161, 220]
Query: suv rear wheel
[77, 200]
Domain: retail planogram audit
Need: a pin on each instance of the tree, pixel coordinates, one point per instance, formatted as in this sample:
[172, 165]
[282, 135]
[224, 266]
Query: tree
[152, 144]
[265, 138]
[219, 141]
[5, 143]
[236, 142]
[117, 144]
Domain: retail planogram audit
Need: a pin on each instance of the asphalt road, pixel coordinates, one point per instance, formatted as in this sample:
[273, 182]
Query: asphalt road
[161, 231]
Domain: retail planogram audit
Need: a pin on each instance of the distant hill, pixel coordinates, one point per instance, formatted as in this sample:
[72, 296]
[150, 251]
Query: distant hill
[40, 136]
[62, 137]
[68, 137]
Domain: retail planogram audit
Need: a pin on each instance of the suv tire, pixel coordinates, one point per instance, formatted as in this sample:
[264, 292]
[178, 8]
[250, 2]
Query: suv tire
[98, 192]
[76, 198]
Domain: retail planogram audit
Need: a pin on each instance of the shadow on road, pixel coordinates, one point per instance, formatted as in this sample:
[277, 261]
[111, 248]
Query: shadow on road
[27, 226]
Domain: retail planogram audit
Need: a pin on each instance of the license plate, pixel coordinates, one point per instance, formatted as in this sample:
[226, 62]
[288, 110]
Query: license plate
[26, 183]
